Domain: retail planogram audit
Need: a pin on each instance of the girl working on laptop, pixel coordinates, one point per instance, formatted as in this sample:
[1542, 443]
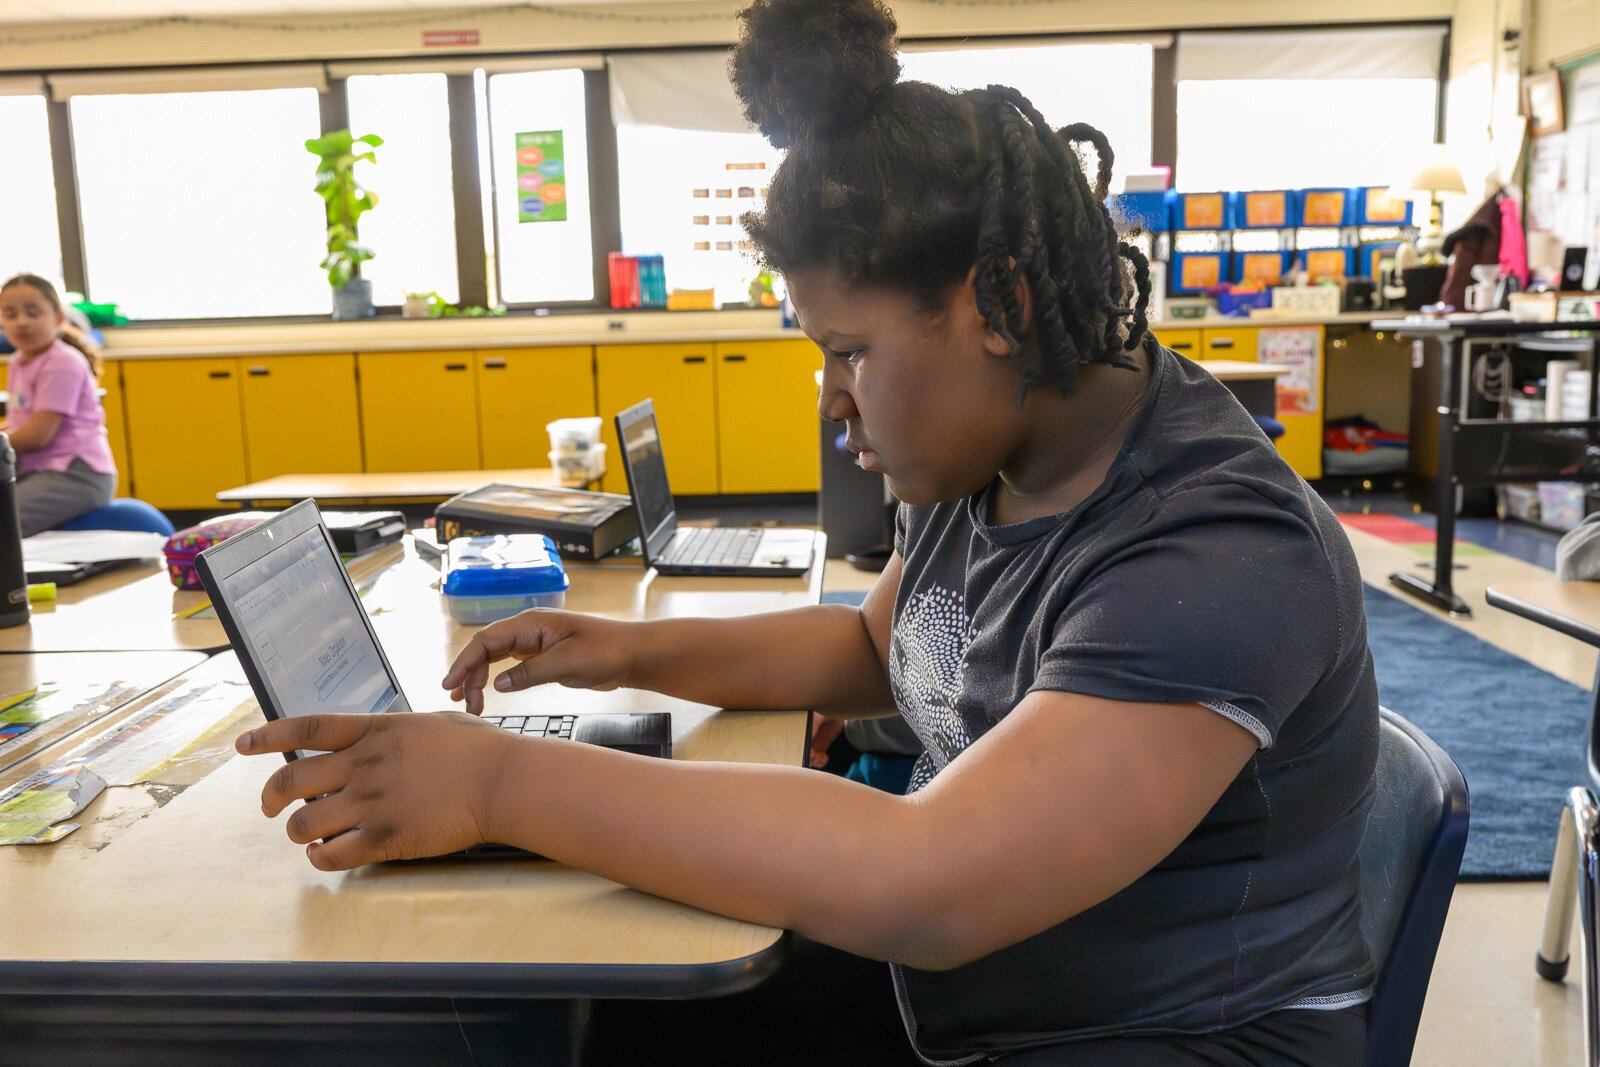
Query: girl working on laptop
[54, 417]
[1130, 638]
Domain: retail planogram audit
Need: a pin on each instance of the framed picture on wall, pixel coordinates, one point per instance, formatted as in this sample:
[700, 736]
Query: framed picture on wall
[1541, 99]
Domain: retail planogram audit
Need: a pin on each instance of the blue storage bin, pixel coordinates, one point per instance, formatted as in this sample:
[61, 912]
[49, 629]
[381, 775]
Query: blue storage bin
[1375, 207]
[1265, 209]
[1369, 254]
[1239, 304]
[1146, 210]
[1327, 207]
[1195, 272]
[1322, 263]
[1268, 268]
[1199, 211]
[489, 578]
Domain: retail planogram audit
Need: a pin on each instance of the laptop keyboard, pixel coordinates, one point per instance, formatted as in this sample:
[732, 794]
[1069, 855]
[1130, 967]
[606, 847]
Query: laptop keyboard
[535, 725]
[711, 546]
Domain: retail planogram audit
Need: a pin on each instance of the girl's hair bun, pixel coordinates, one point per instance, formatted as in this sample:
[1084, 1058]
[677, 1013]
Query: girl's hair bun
[810, 69]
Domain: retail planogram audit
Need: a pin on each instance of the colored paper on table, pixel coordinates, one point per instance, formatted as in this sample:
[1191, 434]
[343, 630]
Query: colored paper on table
[541, 176]
[33, 812]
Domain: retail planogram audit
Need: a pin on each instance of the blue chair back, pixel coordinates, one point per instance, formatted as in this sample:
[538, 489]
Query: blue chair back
[1410, 857]
[124, 513]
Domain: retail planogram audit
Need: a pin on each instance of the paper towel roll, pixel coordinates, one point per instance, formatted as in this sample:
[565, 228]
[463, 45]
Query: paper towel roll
[1555, 376]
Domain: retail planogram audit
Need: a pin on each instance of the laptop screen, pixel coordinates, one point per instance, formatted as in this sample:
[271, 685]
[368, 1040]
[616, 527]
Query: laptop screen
[647, 475]
[305, 633]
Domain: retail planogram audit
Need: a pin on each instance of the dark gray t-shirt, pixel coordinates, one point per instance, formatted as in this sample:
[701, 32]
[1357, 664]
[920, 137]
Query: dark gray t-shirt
[1203, 570]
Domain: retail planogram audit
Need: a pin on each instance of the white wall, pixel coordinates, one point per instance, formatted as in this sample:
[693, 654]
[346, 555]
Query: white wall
[31, 46]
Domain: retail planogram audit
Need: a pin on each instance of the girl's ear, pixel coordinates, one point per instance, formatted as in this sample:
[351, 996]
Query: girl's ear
[994, 343]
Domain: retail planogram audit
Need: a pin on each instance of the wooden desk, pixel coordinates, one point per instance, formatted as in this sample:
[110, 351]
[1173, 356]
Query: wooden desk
[128, 609]
[1255, 384]
[412, 486]
[204, 896]
[105, 680]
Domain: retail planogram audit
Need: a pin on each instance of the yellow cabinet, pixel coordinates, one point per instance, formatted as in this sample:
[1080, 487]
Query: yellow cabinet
[768, 437]
[116, 424]
[1228, 342]
[681, 379]
[419, 411]
[1184, 342]
[300, 415]
[521, 390]
[1299, 397]
[185, 434]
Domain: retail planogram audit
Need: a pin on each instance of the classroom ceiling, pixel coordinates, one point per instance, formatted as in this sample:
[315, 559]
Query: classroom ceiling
[98, 10]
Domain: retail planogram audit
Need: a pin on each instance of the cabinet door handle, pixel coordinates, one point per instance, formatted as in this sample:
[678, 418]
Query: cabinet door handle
[259, 372]
[1221, 342]
[733, 359]
[1181, 346]
[221, 374]
[494, 364]
[694, 359]
[455, 366]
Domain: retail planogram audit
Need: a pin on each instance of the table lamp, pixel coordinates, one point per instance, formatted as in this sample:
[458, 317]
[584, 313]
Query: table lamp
[1433, 174]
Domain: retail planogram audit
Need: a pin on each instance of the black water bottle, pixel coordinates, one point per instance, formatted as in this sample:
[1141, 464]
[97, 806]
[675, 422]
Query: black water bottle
[13, 578]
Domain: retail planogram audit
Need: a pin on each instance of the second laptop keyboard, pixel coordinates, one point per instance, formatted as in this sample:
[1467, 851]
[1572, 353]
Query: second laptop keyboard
[535, 725]
[710, 546]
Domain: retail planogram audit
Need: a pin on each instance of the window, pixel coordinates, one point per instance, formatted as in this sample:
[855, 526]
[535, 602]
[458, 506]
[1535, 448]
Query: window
[682, 192]
[539, 161]
[27, 188]
[412, 230]
[1105, 85]
[1294, 109]
[201, 205]
[1324, 132]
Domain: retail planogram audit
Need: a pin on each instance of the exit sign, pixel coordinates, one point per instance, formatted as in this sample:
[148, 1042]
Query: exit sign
[450, 38]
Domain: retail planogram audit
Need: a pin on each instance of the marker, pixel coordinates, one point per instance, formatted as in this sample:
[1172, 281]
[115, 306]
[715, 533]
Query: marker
[42, 591]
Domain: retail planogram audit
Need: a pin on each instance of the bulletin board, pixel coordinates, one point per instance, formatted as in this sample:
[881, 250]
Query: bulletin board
[1563, 186]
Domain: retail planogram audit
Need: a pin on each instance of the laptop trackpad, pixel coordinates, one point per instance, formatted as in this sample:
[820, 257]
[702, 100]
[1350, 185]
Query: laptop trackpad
[646, 733]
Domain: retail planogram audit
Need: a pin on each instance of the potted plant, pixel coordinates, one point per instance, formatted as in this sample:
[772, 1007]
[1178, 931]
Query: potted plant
[346, 201]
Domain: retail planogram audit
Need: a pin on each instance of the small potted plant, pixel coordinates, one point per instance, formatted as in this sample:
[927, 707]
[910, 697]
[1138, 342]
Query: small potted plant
[346, 201]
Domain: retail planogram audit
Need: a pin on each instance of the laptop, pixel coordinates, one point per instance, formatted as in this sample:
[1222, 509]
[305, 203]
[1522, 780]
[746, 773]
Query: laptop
[735, 550]
[307, 646]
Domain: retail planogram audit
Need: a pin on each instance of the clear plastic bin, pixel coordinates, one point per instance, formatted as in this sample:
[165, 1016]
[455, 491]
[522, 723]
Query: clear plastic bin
[574, 435]
[578, 468]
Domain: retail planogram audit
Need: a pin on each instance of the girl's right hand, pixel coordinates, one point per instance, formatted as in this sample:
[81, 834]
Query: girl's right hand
[571, 649]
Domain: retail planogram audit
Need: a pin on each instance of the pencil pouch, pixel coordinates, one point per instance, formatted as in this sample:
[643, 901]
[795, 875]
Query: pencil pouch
[182, 547]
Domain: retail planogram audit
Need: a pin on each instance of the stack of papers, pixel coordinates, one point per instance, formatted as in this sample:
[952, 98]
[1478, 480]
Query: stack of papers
[91, 546]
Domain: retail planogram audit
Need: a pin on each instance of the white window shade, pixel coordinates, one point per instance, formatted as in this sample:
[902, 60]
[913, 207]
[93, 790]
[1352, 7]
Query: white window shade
[189, 80]
[680, 90]
[1380, 53]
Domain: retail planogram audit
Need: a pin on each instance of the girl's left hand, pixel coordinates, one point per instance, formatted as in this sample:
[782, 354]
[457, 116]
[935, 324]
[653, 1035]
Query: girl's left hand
[389, 786]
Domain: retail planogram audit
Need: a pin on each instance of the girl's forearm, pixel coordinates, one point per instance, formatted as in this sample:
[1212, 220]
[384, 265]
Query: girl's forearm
[821, 658]
[829, 858]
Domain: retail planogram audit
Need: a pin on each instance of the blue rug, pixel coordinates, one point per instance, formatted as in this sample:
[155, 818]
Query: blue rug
[1516, 731]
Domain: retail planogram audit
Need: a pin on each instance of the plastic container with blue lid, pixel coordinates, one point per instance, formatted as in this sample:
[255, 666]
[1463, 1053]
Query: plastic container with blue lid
[489, 578]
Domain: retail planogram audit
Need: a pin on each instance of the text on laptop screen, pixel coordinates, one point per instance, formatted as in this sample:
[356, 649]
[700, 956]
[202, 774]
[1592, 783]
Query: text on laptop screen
[305, 632]
[649, 470]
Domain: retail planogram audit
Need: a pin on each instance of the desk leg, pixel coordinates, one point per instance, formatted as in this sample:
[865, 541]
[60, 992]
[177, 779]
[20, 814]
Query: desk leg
[1441, 592]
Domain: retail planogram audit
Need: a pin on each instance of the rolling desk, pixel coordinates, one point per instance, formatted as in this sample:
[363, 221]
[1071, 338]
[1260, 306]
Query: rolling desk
[228, 907]
[1476, 450]
[418, 487]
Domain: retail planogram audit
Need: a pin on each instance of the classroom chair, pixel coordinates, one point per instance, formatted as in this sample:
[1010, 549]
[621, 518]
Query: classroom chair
[124, 513]
[1573, 874]
[1410, 856]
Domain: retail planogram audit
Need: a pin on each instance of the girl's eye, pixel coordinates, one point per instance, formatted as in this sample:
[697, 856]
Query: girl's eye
[852, 356]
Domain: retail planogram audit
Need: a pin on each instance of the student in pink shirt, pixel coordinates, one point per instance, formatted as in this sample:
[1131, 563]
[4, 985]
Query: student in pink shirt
[54, 417]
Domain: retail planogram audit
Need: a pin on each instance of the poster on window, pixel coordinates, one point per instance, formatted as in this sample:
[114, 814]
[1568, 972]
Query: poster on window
[1300, 350]
[541, 177]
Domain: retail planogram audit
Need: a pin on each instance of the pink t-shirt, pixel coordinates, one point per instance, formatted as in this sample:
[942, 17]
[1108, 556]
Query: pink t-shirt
[59, 380]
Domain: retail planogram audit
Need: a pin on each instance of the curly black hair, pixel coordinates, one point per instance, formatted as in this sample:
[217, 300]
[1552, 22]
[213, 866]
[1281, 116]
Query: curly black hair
[908, 185]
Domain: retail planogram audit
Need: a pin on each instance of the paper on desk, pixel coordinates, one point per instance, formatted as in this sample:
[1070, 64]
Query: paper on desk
[32, 811]
[91, 546]
[69, 707]
[154, 744]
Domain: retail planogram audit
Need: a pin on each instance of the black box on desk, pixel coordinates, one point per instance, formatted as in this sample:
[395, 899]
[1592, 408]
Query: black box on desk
[583, 524]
